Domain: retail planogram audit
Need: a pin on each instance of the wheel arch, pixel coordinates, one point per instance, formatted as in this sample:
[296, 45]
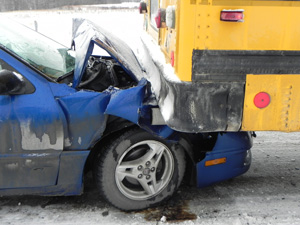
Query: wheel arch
[195, 147]
[114, 127]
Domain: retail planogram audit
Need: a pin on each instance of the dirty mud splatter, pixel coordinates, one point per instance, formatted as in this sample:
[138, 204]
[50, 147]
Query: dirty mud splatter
[173, 212]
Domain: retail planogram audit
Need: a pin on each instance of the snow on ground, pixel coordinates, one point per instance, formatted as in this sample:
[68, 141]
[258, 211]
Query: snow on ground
[267, 194]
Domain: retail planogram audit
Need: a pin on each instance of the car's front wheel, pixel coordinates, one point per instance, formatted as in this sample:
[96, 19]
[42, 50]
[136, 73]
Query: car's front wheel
[137, 170]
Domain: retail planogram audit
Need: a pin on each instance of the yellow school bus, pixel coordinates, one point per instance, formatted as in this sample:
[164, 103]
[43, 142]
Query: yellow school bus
[243, 56]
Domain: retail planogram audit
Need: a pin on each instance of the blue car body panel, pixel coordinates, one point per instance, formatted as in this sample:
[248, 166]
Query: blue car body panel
[82, 132]
[39, 129]
[30, 125]
[69, 178]
[127, 103]
[233, 147]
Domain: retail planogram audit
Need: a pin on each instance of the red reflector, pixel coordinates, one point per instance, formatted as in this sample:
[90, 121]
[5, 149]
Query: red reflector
[172, 58]
[262, 100]
[232, 16]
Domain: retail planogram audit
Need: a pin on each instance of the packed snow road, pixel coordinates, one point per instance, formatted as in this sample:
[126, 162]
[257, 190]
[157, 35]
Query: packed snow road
[267, 194]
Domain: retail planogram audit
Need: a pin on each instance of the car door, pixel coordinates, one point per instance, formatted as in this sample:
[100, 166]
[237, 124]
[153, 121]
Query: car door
[31, 132]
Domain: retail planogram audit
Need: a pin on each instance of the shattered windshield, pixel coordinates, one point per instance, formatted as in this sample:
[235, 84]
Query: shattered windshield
[47, 56]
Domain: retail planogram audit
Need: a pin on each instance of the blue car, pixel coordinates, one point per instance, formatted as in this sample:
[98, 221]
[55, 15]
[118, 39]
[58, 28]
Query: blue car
[65, 111]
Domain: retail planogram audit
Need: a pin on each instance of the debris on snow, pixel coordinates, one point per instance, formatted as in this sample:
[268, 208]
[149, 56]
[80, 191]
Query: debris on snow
[105, 213]
[163, 219]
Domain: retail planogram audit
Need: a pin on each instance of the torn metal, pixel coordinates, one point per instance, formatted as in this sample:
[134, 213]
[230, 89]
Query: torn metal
[193, 106]
[185, 106]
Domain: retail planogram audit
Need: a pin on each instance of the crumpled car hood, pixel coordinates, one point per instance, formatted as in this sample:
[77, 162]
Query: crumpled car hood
[185, 106]
[86, 34]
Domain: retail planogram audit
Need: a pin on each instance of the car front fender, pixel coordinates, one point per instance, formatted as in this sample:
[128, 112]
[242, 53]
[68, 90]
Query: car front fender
[128, 104]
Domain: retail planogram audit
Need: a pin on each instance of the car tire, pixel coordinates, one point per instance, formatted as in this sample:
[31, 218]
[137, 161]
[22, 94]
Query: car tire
[138, 170]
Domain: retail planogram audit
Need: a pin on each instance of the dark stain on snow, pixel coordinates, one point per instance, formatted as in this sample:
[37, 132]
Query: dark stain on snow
[173, 211]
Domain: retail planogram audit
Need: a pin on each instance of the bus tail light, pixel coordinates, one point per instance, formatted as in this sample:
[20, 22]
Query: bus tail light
[160, 18]
[143, 8]
[232, 15]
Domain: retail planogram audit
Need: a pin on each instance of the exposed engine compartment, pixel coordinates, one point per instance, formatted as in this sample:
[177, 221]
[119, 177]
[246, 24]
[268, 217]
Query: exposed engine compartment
[103, 72]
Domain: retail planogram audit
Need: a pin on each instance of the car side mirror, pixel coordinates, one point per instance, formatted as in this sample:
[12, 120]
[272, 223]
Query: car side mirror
[12, 83]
